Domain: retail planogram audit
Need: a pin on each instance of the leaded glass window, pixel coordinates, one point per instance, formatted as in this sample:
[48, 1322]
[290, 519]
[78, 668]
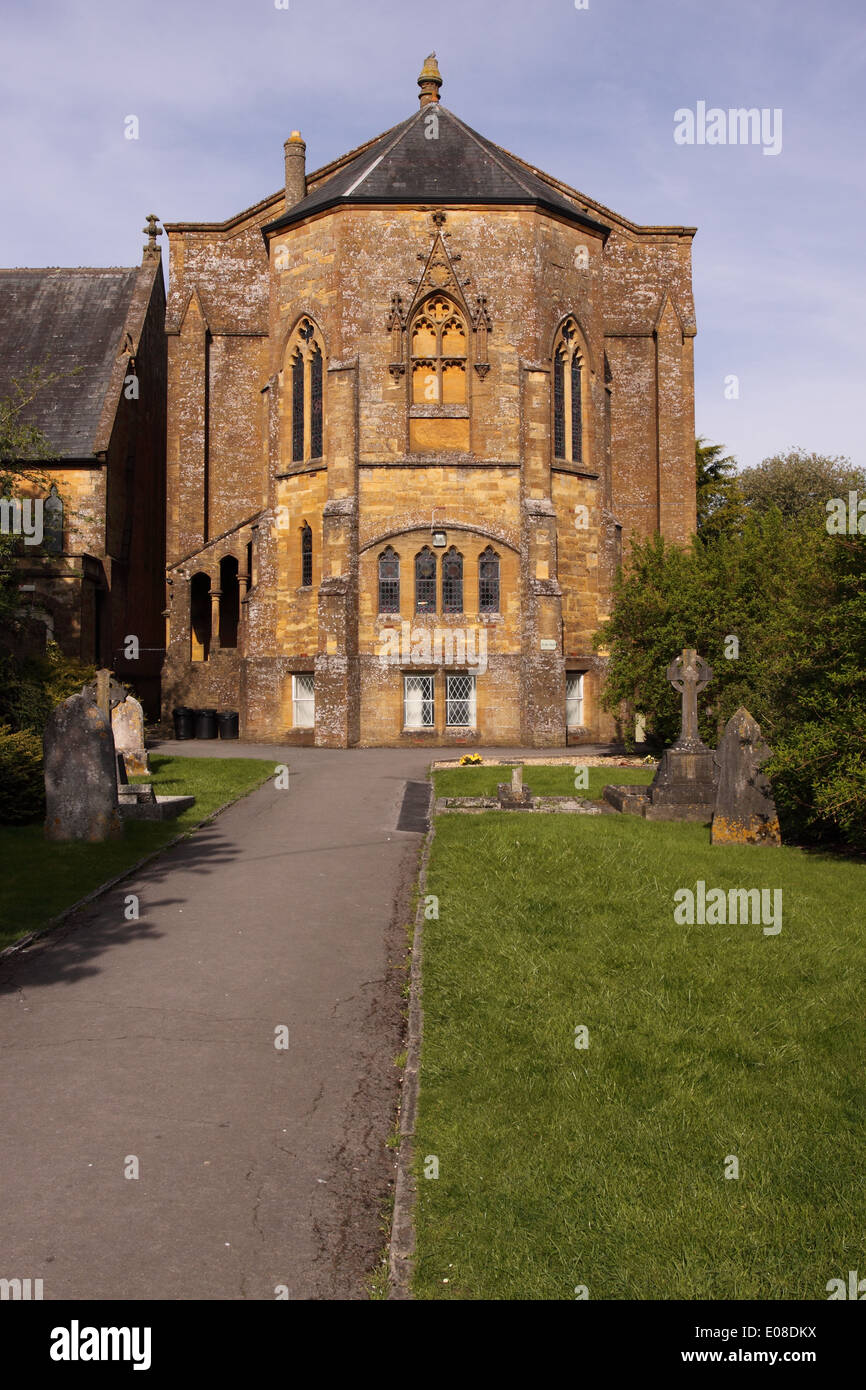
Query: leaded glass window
[389, 581]
[304, 700]
[452, 581]
[574, 699]
[568, 394]
[418, 708]
[316, 404]
[576, 417]
[559, 405]
[488, 581]
[460, 702]
[306, 556]
[297, 408]
[425, 581]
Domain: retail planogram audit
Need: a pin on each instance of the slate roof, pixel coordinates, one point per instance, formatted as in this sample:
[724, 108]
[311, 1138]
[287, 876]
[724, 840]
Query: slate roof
[65, 319]
[459, 166]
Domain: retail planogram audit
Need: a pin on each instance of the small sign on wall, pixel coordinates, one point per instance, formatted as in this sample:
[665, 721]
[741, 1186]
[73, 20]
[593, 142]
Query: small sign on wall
[549, 644]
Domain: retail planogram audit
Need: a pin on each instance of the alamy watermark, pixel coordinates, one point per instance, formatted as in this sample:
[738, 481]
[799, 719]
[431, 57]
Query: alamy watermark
[846, 519]
[715, 907]
[434, 646]
[739, 125]
[22, 517]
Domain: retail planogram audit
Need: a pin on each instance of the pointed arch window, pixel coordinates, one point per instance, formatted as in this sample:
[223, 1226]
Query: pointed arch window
[568, 393]
[488, 581]
[304, 357]
[425, 581]
[306, 556]
[439, 339]
[452, 581]
[389, 581]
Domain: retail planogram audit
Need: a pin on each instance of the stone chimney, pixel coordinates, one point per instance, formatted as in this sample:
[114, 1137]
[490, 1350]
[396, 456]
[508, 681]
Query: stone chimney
[296, 169]
[430, 80]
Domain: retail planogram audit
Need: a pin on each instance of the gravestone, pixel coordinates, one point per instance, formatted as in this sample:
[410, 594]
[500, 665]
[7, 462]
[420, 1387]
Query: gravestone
[513, 795]
[684, 786]
[127, 725]
[80, 772]
[745, 812]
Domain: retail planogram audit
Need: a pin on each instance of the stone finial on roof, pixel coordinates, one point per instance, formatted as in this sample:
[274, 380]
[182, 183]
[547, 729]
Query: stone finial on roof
[152, 230]
[430, 80]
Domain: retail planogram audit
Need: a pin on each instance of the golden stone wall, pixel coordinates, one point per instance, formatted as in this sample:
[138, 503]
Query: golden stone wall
[476, 464]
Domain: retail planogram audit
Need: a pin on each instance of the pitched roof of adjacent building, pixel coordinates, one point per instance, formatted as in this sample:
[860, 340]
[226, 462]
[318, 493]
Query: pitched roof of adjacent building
[72, 323]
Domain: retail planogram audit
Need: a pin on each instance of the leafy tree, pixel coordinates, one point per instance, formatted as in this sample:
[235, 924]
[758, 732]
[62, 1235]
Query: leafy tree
[718, 494]
[797, 482]
[794, 598]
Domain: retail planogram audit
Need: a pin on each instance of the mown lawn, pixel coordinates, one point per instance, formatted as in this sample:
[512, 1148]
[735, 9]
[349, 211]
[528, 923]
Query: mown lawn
[544, 781]
[605, 1167]
[40, 879]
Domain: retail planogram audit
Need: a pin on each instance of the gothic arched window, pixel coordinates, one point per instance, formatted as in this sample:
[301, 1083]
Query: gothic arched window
[488, 581]
[389, 581]
[305, 360]
[568, 368]
[425, 581]
[306, 556]
[452, 581]
[439, 353]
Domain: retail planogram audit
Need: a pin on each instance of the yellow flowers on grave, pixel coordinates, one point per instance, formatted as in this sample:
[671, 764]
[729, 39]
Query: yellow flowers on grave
[470, 759]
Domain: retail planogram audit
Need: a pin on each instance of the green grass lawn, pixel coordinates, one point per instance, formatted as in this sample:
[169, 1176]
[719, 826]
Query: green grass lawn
[605, 1167]
[40, 878]
[544, 781]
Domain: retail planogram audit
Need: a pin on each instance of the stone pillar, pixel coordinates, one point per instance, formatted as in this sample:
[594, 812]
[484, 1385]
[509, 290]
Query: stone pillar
[542, 664]
[215, 596]
[337, 666]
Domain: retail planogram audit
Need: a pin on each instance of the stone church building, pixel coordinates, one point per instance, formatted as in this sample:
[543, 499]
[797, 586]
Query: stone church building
[95, 580]
[419, 402]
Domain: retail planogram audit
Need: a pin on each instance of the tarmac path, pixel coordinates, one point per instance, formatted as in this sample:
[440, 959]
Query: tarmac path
[155, 1040]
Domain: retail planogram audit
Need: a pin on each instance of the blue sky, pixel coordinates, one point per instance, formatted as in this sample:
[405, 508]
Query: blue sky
[589, 95]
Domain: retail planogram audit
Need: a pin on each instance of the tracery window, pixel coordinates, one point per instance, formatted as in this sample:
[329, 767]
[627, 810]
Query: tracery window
[488, 581]
[568, 390]
[389, 581]
[305, 361]
[439, 353]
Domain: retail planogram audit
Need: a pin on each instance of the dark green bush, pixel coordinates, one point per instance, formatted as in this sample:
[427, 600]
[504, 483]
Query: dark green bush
[22, 789]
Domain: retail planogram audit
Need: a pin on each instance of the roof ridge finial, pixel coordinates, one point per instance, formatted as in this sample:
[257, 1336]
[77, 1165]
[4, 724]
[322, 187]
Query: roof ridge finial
[430, 80]
[153, 230]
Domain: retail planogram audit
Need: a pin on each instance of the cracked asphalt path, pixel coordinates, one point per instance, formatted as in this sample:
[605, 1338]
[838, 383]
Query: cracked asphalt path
[154, 1039]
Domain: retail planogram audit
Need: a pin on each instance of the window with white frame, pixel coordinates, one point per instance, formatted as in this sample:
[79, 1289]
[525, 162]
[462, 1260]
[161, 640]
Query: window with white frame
[460, 702]
[418, 702]
[304, 700]
[573, 698]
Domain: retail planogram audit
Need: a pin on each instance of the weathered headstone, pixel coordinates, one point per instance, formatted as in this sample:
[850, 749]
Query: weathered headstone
[684, 785]
[745, 812]
[80, 772]
[127, 725]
